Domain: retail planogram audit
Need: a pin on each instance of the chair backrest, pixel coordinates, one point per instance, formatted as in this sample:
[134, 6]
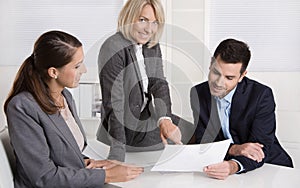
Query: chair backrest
[7, 160]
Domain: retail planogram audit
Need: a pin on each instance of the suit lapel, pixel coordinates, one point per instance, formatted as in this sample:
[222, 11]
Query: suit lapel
[237, 107]
[213, 131]
[74, 113]
[63, 130]
[136, 67]
[148, 60]
[127, 44]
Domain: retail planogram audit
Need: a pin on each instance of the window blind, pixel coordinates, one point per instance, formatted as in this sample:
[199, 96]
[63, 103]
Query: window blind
[22, 22]
[270, 27]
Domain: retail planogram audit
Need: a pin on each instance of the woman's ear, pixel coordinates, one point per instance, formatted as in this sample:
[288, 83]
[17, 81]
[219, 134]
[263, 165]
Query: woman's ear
[52, 72]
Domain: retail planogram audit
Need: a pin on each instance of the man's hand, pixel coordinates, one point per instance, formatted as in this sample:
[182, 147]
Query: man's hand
[251, 150]
[169, 131]
[221, 170]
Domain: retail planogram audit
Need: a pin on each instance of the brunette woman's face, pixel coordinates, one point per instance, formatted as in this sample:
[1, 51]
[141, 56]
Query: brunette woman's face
[147, 25]
[69, 75]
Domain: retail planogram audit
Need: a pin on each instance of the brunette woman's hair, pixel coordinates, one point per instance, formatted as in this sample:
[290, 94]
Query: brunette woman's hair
[52, 49]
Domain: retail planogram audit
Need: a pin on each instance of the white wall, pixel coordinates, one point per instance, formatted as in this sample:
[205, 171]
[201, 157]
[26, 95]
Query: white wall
[7, 74]
[24, 21]
[186, 54]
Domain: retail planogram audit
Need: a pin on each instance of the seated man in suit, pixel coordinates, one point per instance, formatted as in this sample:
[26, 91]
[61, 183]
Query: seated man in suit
[231, 106]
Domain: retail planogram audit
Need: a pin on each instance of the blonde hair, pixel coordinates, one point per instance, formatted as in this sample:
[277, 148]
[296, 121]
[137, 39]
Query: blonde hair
[131, 12]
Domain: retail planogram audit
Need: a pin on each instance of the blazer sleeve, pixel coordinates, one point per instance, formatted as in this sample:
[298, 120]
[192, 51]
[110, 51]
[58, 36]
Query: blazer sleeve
[32, 149]
[111, 78]
[206, 120]
[262, 129]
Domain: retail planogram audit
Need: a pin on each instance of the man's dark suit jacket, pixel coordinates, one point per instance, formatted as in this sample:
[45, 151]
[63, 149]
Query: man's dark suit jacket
[252, 119]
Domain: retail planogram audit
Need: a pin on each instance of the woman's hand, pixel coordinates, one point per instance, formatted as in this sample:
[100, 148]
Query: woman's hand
[122, 172]
[105, 164]
[169, 131]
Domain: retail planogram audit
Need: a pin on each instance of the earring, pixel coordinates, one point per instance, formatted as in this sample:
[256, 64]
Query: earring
[55, 77]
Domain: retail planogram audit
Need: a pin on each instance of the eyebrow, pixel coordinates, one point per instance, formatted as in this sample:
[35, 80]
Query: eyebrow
[80, 62]
[218, 72]
[146, 18]
[143, 17]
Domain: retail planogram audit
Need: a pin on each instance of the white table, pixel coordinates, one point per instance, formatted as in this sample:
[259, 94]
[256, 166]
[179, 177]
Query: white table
[268, 176]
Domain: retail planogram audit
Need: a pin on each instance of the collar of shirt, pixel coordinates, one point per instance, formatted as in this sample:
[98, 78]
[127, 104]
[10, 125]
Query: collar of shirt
[138, 47]
[224, 105]
[228, 97]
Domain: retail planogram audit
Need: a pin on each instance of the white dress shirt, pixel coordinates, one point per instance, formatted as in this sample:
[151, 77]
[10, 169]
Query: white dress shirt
[142, 67]
[224, 106]
[145, 81]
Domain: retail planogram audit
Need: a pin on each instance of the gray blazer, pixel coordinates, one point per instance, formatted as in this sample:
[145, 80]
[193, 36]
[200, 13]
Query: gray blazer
[122, 95]
[47, 154]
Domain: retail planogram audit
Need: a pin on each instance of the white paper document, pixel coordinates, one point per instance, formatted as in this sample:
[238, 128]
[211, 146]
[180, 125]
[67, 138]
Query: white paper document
[191, 158]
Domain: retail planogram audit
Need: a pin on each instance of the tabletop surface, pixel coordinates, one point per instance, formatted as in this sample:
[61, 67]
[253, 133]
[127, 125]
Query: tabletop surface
[267, 176]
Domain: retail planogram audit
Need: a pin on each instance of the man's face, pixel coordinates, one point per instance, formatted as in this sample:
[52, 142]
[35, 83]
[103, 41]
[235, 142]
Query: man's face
[223, 77]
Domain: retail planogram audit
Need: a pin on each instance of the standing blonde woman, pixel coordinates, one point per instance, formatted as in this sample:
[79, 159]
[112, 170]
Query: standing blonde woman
[136, 113]
[44, 128]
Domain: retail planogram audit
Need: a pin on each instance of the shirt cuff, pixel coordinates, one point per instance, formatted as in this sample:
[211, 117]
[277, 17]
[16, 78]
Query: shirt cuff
[162, 118]
[240, 165]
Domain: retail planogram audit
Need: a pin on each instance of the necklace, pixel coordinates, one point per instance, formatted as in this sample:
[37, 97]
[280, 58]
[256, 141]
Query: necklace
[65, 111]
[59, 101]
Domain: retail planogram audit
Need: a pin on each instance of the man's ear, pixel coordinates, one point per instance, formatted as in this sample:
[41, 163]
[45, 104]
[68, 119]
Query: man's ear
[52, 72]
[243, 75]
